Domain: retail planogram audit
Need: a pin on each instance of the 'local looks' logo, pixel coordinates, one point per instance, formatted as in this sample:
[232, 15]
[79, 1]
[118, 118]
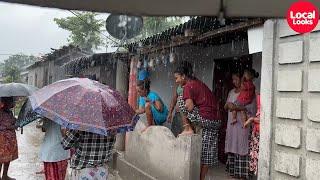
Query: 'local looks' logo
[303, 16]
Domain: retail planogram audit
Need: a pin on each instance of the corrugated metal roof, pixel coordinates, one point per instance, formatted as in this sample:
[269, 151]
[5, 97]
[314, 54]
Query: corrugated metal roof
[201, 25]
[54, 54]
[78, 64]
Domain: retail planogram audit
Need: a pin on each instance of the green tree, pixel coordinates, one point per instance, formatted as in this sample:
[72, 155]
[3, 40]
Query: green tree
[13, 66]
[85, 30]
[154, 25]
[12, 74]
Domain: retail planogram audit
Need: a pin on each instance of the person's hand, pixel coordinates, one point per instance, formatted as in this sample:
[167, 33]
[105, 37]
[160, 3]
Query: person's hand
[256, 120]
[137, 112]
[63, 132]
[248, 122]
[230, 106]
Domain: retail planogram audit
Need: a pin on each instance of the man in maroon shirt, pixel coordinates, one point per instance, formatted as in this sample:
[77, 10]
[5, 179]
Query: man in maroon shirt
[199, 105]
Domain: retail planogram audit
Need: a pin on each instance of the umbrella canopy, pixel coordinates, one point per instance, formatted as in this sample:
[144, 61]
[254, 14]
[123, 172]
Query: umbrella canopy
[26, 115]
[86, 105]
[232, 8]
[16, 90]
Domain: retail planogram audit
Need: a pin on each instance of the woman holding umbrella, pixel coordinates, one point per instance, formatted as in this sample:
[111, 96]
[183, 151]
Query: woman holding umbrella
[93, 113]
[8, 139]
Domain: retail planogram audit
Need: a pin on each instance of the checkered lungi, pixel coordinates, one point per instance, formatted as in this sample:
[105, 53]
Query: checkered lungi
[210, 134]
[238, 166]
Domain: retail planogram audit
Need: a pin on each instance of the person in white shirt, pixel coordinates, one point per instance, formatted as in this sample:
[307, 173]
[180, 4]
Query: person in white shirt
[54, 157]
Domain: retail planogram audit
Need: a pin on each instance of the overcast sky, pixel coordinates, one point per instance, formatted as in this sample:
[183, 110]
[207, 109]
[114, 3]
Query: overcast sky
[31, 30]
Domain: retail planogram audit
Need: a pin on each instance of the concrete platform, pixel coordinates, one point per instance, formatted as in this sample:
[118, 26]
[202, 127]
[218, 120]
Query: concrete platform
[127, 171]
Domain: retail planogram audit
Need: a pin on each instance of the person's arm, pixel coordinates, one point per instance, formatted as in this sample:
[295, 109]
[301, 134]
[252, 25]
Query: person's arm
[256, 120]
[70, 140]
[189, 105]
[158, 105]
[63, 131]
[141, 108]
[173, 101]
[45, 125]
[155, 101]
[140, 111]
[233, 107]
[188, 96]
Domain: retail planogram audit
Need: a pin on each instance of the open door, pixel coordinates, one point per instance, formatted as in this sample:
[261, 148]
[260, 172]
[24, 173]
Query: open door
[222, 84]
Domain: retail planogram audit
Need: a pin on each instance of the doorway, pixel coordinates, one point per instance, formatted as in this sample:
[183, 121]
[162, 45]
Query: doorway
[222, 84]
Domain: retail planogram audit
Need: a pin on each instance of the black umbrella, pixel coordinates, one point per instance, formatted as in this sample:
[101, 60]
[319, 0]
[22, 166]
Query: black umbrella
[16, 90]
[26, 115]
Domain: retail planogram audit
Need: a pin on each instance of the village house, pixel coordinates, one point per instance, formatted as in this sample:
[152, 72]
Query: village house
[289, 88]
[49, 68]
[24, 75]
[216, 50]
[103, 67]
[288, 64]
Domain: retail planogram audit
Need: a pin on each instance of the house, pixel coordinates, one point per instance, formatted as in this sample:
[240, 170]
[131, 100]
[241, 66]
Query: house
[24, 75]
[289, 86]
[102, 67]
[49, 68]
[216, 49]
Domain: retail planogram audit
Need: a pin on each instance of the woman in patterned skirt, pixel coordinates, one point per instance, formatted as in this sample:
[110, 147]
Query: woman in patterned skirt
[255, 138]
[198, 105]
[8, 139]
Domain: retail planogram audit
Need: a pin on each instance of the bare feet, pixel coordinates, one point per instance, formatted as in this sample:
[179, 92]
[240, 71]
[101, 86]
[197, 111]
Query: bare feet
[143, 130]
[39, 172]
[186, 132]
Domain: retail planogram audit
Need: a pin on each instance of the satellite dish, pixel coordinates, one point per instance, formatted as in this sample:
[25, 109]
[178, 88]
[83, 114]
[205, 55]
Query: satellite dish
[124, 27]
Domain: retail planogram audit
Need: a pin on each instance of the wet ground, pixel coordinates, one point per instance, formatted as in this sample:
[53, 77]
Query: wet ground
[28, 164]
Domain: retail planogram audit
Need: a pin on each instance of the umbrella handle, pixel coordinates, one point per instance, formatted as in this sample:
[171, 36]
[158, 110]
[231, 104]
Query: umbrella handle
[22, 130]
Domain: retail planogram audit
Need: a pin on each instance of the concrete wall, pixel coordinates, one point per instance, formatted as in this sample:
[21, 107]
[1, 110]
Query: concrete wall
[160, 155]
[51, 71]
[105, 74]
[290, 125]
[108, 75]
[35, 76]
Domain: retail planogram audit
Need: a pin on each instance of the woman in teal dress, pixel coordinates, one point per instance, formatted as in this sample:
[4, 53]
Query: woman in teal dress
[151, 104]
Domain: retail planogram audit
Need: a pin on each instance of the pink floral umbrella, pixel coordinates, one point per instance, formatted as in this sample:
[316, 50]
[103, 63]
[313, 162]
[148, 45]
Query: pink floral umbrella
[86, 105]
